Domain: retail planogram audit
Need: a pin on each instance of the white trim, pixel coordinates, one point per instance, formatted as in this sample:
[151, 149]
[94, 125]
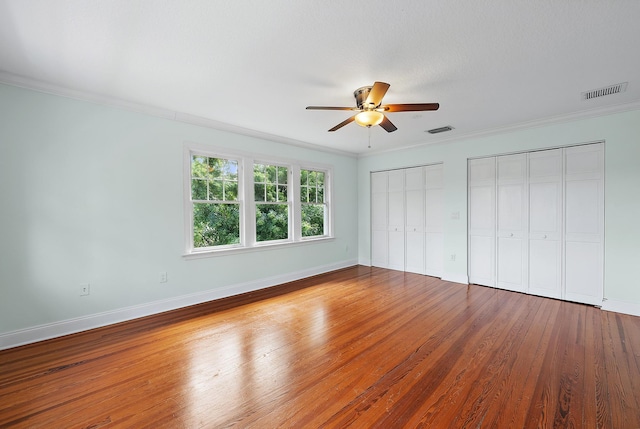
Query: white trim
[246, 201]
[456, 278]
[552, 120]
[92, 321]
[60, 91]
[621, 307]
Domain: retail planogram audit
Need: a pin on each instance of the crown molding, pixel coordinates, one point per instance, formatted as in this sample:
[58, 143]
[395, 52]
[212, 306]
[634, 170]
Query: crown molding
[48, 88]
[551, 120]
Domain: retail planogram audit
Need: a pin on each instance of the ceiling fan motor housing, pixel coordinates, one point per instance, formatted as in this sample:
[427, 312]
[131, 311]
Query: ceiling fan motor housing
[361, 95]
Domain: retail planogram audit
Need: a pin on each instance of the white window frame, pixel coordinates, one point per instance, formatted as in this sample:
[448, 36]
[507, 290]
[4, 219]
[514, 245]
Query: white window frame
[328, 212]
[290, 220]
[247, 204]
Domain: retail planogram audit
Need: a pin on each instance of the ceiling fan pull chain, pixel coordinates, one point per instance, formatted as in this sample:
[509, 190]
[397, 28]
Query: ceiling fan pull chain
[369, 136]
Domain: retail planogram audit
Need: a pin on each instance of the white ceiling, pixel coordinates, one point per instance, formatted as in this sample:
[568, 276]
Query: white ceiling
[256, 65]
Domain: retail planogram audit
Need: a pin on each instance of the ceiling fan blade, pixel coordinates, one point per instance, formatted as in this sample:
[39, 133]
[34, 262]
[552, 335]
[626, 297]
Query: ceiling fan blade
[343, 123]
[387, 125]
[330, 108]
[378, 91]
[416, 107]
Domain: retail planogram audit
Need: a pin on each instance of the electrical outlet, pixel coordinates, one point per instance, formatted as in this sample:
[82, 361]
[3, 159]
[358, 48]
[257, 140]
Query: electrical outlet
[453, 257]
[163, 276]
[85, 289]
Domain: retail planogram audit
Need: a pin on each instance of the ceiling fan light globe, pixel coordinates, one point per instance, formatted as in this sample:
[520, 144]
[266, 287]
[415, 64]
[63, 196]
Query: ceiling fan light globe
[369, 118]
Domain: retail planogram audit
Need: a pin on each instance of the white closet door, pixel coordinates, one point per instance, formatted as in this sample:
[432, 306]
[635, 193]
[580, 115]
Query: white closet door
[584, 223]
[434, 220]
[482, 221]
[545, 223]
[379, 220]
[512, 232]
[396, 212]
[414, 224]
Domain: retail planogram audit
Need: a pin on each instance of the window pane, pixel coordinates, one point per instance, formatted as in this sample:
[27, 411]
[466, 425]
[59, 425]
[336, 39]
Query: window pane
[230, 170]
[320, 195]
[319, 178]
[271, 193]
[282, 193]
[312, 178]
[199, 166]
[272, 222]
[282, 175]
[199, 189]
[215, 190]
[215, 224]
[304, 194]
[312, 220]
[258, 192]
[230, 191]
[258, 173]
[271, 173]
[304, 174]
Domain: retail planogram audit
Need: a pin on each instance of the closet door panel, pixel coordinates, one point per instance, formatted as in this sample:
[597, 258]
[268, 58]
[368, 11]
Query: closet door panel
[545, 265]
[482, 260]
[396, 250]
[379, 248]
[482, 221]
[434, 253]
[414, 220]
[584, 223]
[510, 263]
[434, 220]
[512, 218]
[545, 223]
[583, 272]
[415, 210]
[379, 220]
[414, 256]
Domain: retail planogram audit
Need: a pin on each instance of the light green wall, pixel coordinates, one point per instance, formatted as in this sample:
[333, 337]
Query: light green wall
[93, 194]
[621, 133]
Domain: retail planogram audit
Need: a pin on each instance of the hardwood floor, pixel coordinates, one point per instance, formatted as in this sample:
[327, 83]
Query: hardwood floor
[361, 347]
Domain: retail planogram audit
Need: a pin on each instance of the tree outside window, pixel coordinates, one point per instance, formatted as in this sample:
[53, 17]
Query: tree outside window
[271, 192]
[313, 205]
[214, 195]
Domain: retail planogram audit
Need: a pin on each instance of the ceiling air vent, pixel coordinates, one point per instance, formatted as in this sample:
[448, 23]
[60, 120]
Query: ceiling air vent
[607, 90]
[440, 130]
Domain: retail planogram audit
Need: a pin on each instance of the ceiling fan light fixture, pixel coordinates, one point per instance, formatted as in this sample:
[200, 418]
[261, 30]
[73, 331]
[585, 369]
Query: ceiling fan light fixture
[369, 118]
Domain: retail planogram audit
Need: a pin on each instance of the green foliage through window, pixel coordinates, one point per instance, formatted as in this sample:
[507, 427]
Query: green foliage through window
[219, 197]
[313, 205]
[270, 184]
[214, 195]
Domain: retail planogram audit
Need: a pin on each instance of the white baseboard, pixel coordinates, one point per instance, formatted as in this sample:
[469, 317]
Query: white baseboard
[365, 262]
[456, 278]
[621, 307]
[92, 321]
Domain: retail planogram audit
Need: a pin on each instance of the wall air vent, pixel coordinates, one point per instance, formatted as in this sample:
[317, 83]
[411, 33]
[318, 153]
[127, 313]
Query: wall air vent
[607, 90]
[440, 130]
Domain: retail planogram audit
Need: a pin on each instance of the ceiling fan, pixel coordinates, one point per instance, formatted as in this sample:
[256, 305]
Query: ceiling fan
[371, 110]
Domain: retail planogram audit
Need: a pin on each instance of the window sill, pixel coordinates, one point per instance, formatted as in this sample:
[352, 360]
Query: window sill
[209, 253]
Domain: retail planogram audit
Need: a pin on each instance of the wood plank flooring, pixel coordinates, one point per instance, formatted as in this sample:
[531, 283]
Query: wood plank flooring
[361, 347]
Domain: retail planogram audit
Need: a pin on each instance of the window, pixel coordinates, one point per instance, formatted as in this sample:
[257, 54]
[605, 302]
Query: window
[215, 205]
[272, 205]
[313, 207]
[234, 202]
